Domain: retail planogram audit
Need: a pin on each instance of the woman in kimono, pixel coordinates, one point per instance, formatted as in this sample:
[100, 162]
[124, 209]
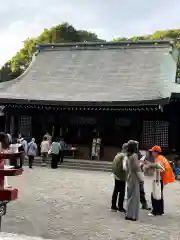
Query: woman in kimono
[134, 177]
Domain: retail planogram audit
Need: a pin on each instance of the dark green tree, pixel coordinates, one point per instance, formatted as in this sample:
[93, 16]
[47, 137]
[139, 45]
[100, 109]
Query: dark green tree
[67, 33]
[5, 73]
[57, 34]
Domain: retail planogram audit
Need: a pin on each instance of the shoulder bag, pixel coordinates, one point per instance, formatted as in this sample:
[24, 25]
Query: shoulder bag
[156, 187]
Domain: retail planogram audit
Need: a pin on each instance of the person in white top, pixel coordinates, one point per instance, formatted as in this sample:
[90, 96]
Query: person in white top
[9, 138]
[4, 145]
[49, 137]
[31, 151]
[45, 146]
[14, 148]
[24, 144]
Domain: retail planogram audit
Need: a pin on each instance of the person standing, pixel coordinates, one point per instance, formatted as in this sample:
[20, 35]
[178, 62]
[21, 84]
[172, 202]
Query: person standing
[22, 156]
[141, 185]
[31, 151]
[163, 174]
[9, 138]
[24, 144]
[142, 160]
[49, 138]
[119, 180]
[13, 147]
[134, 177]
[142, 192]
[54, 151]
[62, 145]
[4, 146]
[45, 146]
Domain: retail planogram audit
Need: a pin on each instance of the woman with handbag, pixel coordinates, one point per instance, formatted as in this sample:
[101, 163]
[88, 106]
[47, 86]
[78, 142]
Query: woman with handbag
[163, 174]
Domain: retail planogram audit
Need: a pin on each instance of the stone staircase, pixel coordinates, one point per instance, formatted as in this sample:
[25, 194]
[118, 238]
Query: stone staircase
[77, 164]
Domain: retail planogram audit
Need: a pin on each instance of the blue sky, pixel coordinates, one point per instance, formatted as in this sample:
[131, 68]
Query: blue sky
[109, 19]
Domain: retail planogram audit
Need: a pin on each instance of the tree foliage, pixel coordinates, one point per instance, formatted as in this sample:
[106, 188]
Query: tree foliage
[57, 34]
[67, 33]
[171, 34]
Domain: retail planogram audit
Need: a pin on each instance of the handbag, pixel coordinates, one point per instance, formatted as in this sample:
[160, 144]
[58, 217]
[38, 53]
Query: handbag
[140, 176]
[156, 188]
[50, 151]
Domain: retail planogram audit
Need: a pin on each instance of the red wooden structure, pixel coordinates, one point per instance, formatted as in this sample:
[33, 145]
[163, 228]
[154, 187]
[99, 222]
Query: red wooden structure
[7, 194]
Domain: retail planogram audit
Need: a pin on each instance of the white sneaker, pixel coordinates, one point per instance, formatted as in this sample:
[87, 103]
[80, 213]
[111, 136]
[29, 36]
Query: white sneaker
[151, 215]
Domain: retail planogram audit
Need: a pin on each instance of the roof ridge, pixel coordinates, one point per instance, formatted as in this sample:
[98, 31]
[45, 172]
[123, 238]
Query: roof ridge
[127, 43]
[106, 45]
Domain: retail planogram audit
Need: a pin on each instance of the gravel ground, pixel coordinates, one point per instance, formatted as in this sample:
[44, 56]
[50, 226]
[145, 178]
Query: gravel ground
[68, 204]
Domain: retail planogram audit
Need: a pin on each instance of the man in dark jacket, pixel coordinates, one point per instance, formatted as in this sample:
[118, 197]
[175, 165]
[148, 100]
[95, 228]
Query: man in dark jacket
[120, 180]
[141, 186]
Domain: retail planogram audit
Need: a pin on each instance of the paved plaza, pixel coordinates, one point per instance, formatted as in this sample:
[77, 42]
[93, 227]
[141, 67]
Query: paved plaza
[67, 204]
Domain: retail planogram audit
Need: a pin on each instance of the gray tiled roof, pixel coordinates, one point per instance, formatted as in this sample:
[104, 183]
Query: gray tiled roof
[100, 74]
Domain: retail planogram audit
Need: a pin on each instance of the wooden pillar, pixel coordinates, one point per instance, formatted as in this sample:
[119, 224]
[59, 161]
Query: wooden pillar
[7, 123]
[12, 126]
[173, 116]
[174, 131]
[136, 126]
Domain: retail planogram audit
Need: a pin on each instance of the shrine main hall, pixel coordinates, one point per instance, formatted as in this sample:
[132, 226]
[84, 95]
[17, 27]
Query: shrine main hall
[112, 90]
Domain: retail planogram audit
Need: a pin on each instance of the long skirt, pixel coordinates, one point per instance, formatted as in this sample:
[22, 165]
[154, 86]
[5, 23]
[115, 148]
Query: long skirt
[158, 205]
[133, 200]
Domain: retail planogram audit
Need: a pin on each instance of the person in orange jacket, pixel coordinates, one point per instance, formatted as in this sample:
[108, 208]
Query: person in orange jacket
[162, 169]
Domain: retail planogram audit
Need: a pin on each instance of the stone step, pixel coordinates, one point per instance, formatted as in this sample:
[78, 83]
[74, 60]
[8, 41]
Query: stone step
[78, 164]
[38, 159]
[76, 167]
[86, 165]
[92, 168]
[64, 164]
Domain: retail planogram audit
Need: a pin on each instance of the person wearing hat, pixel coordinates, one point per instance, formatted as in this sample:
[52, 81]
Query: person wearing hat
[119, 180]
[162, 173]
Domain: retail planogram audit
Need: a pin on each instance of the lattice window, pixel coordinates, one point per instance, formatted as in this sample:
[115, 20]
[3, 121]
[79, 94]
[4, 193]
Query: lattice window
[161, 133]
[155, 133]
[148, 133]
[25, 126]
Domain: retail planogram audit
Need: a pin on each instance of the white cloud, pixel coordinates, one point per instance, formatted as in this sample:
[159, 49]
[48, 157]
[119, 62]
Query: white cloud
[9, 45]
[11, 40]
[23, 18]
